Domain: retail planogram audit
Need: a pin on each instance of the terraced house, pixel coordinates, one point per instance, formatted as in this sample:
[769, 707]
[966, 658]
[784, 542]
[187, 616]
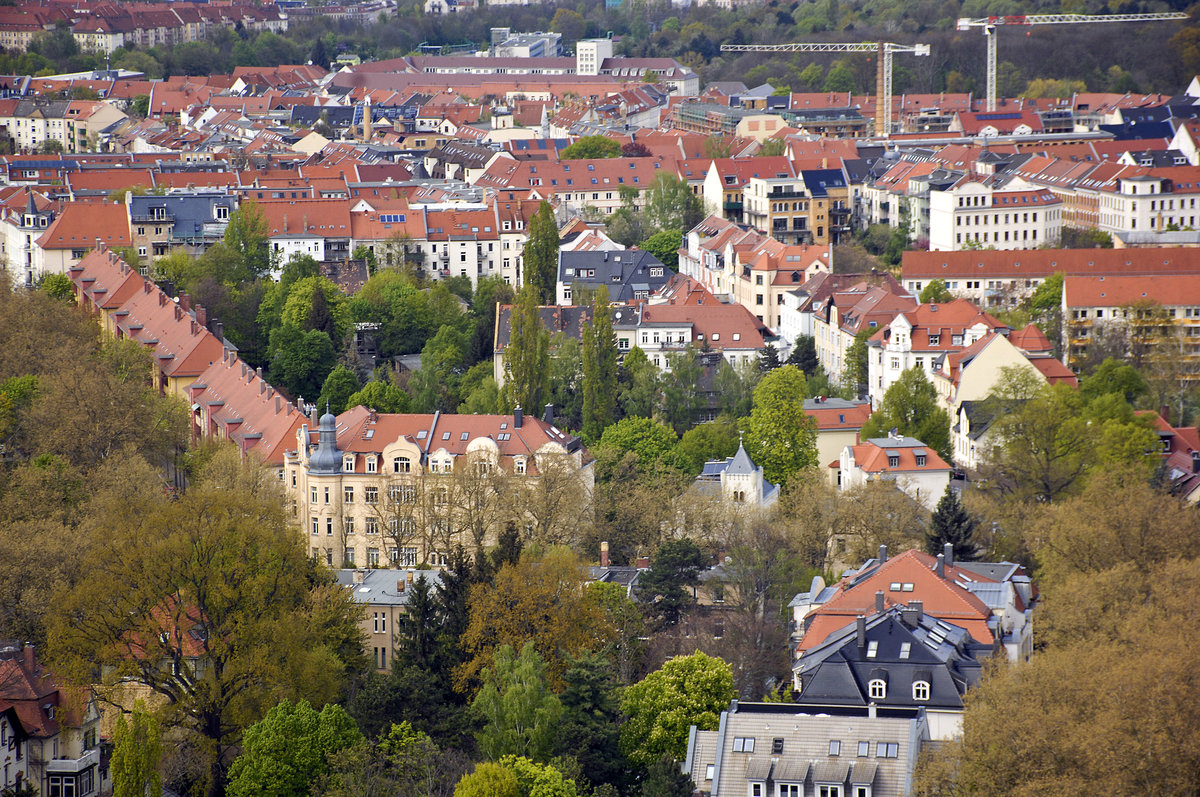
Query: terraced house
[380, 490]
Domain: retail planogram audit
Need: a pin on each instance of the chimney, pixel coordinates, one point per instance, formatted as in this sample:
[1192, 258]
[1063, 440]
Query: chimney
[518, 417]
[1164, 412]
[643, 563]
[411, 574]
[358, 576]
[948, 553]
[400, 585]
[912, 615]
[940, 567]
[28, 649]
[860, 626]
[219, 329]
[548, 415]
[882, 554]
[604, 554]
[879, 602]
[1196, 462]
[201, 316]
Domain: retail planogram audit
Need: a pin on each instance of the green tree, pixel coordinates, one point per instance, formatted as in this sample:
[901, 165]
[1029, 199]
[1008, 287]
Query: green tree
[840, 78]
[599, 368]
[854, 374]
[664, 778]
[527, 357]
[651, 440]
[1048, 295]
[911, 407]
[380, 395]
[590, 726]
[137, 751]
[935, 292]
[58, 287]
[639, 385]
[591, 147]
[664, 245]
[681, 398]
[685, 691]
[952, 523]
[246, 234]
[1114, 376]
[316, 303]
[520, 713]
[671, 205]
[339, 386]
[804, 355]
[489, 780]
[301, 361]
[285, 751]
[541, 255]
[204, 584]
[780, 437]
[705, 442]
[666, 589]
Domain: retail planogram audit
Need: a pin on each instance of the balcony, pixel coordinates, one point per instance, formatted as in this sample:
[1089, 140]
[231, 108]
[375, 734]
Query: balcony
[152, 218]
[70, 766]
[737, 206]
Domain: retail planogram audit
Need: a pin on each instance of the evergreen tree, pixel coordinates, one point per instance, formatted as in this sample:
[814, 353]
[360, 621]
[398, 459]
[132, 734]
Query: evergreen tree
[804, 354]
[527, 357]
[541, 254]
[664, 778]
[452, 597]
[137, 750]
[599, 368]
[590, 729]
[952, 523]
[768, 359]
[508, 548]
[416, 641]
[665, 589]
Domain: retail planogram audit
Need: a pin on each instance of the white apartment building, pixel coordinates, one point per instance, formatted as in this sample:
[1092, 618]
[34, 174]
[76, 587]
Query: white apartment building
[973, 215]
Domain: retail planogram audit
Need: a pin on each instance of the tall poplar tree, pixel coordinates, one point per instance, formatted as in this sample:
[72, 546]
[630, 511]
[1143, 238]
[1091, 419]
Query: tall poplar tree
[541, 254]
[599, 368]
[137, 751]
[527, 357]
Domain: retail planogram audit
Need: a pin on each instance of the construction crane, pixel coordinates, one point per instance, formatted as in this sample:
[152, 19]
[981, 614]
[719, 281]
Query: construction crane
[883, 66]
[989, 25]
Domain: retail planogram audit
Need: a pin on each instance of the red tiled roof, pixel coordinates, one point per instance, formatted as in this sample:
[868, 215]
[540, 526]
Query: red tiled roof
[80, 225]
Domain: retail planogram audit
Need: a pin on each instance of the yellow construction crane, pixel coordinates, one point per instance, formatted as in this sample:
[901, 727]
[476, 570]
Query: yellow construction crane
[883, 66]
[989, 25]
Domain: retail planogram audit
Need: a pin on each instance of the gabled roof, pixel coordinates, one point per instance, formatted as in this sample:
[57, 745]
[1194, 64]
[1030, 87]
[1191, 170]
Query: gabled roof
[81, 225]
[876, 454]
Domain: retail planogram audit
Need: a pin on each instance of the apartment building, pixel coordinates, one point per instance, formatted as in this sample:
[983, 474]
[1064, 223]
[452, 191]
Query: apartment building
[975, 215]
[812, 208]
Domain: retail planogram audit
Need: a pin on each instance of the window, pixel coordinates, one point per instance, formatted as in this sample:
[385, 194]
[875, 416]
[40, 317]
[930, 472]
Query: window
[372, 525]
[379, 622]
[328, 527]
[743, 744]
[348, 558]
[348, 524]
[887, 750]
[920, 690]
[401, 465]
[316, 526]
[408, 556]
[371, 495]
[61, 786]
[893, 461]
[877, 688]
[348, 465]
[519, 466]
[791, 790]
[756, 790]
[349, 495]
[371, 465]
[920, 460]
[835, 747]
[372, 557]
[776, 746]
[872, 648]
[829, 791]
[326, 495]
[313, 494]
[864, 749]
[709, 771]
[935, 340]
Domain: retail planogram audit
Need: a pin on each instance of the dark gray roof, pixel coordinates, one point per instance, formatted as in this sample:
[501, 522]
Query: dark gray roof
[382, 587]
[625, 272]
[906, 648]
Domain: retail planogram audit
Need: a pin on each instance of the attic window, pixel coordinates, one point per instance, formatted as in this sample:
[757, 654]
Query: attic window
[877, 689]
[872, 648]
[716, 336]
[905, 649]
[894, 587]
[908, 587]
[463, 436]
[445, 435]
[421, 435]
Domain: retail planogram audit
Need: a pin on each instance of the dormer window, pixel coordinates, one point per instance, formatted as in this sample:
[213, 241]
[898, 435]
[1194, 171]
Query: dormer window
[348, 465]
[519, 466]
[877, 689]
[372, 465]
[893, 460]
[935, 340]
[401, 465]
[920, 690]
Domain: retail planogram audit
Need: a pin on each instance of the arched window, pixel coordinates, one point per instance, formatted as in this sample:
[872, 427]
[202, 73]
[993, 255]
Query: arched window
[920, 690]
[401, 465]
[877, 689]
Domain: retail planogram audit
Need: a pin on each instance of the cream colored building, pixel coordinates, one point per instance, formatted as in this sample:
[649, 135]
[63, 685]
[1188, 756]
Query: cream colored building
[391, 490]
[384, 597]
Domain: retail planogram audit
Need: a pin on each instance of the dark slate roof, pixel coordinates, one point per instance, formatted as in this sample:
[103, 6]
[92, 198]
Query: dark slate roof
[838, 671]
[980, 414]
[819, 181]
[624, 272]
[193, 215]
[568, 319]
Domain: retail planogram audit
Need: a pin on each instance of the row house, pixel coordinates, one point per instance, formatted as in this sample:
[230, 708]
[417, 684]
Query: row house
[24, 215]
[1151, 321]
[911, 466]
[845, 313]
[916, 338]
[970, 374]
[78, 229]
[74, 124]
[749, 268]
[973, 214]
[227, 399]
[799, 306]
[812, 208]
[574, 185]
[726, 180]
[380, 490]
